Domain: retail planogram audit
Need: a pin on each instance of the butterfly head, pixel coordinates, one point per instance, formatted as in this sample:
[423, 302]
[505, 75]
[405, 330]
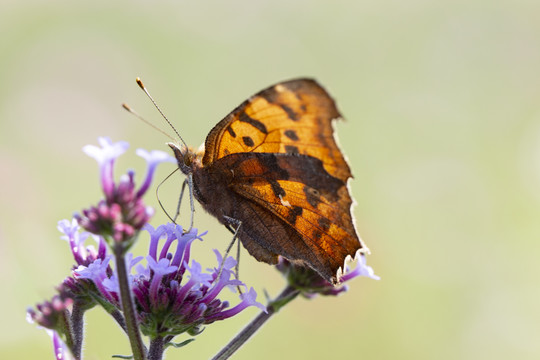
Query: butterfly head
[186, 157]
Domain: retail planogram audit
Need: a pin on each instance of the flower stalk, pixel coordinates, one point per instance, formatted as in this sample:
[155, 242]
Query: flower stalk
[301, 281]
[77, 327]
[287, 295]
[128, 308]
[156, 349]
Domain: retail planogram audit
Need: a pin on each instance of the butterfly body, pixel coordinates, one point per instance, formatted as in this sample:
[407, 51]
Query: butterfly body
[273, 167]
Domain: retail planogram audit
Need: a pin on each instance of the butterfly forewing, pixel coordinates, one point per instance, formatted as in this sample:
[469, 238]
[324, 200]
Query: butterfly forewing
[293, 117]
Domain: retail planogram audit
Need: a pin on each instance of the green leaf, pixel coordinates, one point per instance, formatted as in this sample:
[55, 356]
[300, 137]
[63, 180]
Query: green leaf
[123, 356]
[183, 343]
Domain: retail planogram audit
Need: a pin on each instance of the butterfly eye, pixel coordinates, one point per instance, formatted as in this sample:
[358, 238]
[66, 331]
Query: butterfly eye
[188, 156]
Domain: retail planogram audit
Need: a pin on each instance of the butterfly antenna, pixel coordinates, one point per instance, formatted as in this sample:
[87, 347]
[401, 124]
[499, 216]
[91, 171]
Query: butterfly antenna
[133, 112]
[141, 85]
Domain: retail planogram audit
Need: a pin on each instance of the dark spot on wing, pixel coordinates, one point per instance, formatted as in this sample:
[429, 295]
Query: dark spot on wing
[295, 212]
[276, 171]
[231, 131]
[291, 149]
[243, 117]
[323, 139]
[291, 134]
[324, 223]
[290, 113]
[313, 196]
[276, 188]
[248, 141]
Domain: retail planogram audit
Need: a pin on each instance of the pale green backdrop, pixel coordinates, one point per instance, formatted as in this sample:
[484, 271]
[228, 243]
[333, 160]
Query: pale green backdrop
[442, 101]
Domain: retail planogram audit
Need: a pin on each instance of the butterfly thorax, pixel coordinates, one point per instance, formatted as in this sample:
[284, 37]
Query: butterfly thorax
[211, 188]
[210, 183]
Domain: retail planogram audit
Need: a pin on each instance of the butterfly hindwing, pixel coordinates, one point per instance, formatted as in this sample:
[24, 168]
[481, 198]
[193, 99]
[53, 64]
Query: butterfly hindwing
[305, 197]
[263, 235]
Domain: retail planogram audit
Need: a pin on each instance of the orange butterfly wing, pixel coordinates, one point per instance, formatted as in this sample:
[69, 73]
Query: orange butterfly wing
[279, 146]
[290, 117]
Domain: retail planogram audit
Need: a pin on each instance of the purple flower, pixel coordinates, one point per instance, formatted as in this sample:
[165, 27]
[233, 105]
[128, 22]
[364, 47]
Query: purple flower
[153, 159]
[106, 156]
[76, 239]
[49, 314]
[97, 272]
[122, 213]
[158, 271]
[61, 351]
[310, 283]
[361, 269]
[248, 299]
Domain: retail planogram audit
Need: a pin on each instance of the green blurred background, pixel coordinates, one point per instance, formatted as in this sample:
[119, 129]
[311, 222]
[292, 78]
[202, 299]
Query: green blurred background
[443, 135]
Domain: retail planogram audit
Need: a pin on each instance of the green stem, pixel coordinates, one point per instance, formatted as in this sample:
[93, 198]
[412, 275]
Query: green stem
[128, 308]
[67, 331]
[119, 318]
[156, 349]
[287, 295]
[77, 325]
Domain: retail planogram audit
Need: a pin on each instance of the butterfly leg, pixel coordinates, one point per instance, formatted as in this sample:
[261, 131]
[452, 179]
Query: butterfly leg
[237, 266]
[235, 232]
[177, 213]
[191, 202]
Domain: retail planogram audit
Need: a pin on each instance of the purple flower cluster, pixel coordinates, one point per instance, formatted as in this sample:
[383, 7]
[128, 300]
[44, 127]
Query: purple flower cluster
[171, 297]
[122, 213]
[54, 317]
[171, 294]
[161, 288]
[49, 314]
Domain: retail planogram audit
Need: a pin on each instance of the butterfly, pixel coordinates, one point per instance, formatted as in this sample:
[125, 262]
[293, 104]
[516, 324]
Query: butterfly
[272, 171]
